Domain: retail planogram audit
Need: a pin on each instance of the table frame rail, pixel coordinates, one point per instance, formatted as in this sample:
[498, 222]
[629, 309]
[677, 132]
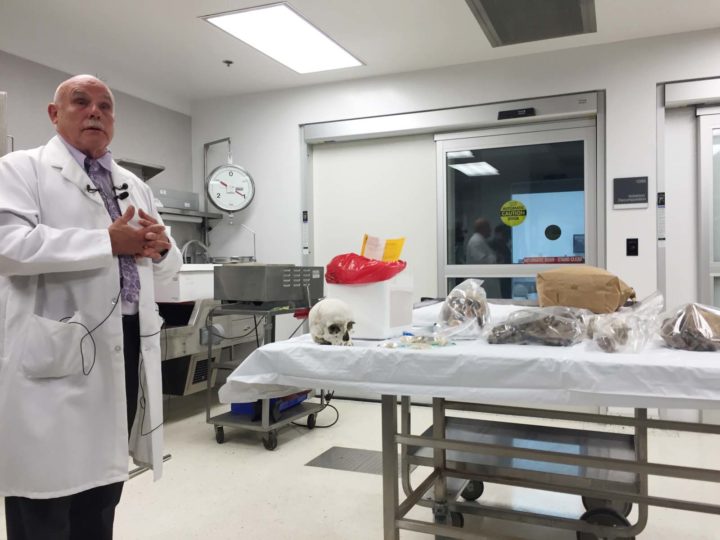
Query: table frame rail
[395, 511]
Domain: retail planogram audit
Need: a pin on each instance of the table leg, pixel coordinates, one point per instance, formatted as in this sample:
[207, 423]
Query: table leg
[269, 335]
[440, 508]
[390, 467]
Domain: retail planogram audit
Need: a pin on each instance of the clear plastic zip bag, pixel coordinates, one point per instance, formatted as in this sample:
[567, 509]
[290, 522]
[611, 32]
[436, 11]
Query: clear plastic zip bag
[629, 329]
[693, 327]
[464, 312]
[556, 326]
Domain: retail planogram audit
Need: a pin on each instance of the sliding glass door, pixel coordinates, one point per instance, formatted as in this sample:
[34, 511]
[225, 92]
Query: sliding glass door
[709, 205]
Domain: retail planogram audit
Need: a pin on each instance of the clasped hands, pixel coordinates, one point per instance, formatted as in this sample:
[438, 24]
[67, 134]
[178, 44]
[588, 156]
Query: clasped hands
[148, 240]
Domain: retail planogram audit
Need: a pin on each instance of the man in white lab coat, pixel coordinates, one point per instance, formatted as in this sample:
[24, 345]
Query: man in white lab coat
[478, 250]
[80, 384]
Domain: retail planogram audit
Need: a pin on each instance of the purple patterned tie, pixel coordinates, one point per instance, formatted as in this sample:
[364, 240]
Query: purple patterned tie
[129, 277]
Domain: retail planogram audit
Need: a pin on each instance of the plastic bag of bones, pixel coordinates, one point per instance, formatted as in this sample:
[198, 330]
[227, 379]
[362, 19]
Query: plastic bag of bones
[694, 327]
[628, 329]
[557, 326]
[331, 322]
[465, 311]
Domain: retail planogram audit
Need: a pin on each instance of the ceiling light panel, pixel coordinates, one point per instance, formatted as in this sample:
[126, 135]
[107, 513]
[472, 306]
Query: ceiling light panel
[479, 168]
[281, 33]
[459, 154]
[508, 22]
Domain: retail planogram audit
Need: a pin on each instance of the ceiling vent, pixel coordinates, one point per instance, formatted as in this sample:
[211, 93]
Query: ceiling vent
[508, 22]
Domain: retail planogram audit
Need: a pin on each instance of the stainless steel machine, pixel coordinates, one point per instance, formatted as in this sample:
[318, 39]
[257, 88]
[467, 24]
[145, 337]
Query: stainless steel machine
[269, 285]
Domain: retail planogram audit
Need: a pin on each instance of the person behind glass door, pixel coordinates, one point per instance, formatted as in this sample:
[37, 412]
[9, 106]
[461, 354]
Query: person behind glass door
[478, 250]
[79, 329]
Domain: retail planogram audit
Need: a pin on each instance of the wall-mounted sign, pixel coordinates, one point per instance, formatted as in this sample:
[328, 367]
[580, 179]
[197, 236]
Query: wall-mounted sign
[630, 192]
[513, 213]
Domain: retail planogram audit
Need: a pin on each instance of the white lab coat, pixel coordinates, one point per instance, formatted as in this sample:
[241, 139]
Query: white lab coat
[63, 421]
[478, 251]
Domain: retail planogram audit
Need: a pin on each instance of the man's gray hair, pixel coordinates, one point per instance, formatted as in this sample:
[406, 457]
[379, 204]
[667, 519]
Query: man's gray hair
[60, 87]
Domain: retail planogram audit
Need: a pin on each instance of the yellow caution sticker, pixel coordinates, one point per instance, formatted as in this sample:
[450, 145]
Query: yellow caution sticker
[513, 213]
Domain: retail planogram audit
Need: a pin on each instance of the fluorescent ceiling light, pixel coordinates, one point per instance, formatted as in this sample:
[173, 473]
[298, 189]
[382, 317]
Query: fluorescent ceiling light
[282, 34]
[479, 168]
[459, 154]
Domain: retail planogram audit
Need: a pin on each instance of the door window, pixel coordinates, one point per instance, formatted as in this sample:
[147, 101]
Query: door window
[525, 206]
[518, 202]
[709, 206]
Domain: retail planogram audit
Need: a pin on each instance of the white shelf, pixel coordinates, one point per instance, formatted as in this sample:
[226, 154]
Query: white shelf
[192, 216]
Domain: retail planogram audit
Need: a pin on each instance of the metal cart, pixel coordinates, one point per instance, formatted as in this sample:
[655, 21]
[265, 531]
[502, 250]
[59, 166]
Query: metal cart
[271, 418]
[608, 470]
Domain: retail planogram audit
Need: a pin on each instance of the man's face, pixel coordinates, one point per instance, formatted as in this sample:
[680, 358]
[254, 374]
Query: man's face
[84, 115]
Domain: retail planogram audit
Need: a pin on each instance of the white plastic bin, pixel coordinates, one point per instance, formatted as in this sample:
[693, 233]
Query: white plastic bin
[192, 282]
[381, 310]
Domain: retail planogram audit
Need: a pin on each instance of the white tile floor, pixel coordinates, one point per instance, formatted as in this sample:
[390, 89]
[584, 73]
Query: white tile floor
[239, 490]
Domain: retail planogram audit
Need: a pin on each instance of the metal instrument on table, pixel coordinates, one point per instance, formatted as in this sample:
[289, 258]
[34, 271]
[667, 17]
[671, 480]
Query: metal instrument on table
[195, 251]
[204, 252]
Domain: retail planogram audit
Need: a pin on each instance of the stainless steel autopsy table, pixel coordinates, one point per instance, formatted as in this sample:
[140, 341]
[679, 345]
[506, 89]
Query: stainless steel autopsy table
[519, 381]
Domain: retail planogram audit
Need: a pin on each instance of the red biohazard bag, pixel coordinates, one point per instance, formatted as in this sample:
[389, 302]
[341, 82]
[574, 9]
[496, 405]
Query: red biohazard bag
[351, 268]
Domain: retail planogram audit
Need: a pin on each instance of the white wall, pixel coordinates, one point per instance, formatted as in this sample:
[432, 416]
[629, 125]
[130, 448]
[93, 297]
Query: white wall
[382, 187]
[143, 131]
[264, 127]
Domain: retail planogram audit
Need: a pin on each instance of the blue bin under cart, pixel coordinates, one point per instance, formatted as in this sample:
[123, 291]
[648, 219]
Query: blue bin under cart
[280, 412]
[266, 415]
[277, 406]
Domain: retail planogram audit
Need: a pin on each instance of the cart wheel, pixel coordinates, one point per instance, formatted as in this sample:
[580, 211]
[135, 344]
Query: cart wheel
[621, 507]
[270, 442]
[311, 421]
[219, 434]
[473, 490]
[603, 516]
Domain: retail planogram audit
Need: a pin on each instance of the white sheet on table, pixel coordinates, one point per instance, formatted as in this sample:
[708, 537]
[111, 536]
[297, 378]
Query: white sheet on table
[479, 372]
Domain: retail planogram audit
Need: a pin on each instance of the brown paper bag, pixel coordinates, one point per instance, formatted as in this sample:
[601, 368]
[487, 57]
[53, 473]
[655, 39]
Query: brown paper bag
[584, 287]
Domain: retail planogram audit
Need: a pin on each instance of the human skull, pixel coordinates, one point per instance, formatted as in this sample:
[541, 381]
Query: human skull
[331, 322]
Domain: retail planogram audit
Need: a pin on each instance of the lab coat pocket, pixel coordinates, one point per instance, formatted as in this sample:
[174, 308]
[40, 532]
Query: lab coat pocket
[52, 349]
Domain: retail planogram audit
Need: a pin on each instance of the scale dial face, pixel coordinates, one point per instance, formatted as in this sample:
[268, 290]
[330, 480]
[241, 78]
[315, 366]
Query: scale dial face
[230, 188]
